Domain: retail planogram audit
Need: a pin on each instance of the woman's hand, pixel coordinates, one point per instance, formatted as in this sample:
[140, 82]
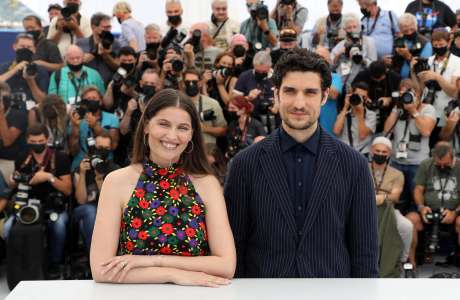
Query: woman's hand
[198, 278]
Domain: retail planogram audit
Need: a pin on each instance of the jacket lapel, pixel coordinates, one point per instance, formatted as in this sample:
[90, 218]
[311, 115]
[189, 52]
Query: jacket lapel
[275, 172]
[326, 167]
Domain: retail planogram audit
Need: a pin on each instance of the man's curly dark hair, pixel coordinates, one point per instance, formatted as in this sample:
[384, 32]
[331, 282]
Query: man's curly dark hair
[302, 60]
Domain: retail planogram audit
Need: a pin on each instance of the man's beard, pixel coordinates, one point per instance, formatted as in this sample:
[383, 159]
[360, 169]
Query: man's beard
[310, 122]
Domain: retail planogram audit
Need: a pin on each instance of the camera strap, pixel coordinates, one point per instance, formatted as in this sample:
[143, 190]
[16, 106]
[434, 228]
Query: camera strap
[404, 138]
[349, 124]
[378, 185]
[200, 105]
[219, 28]
[369, 32]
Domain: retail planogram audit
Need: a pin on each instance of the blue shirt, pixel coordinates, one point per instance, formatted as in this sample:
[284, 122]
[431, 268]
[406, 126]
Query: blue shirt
[132, 29]
[253, 33]
[300, 162]
[328, 114]
[382, 31]
[426, 52]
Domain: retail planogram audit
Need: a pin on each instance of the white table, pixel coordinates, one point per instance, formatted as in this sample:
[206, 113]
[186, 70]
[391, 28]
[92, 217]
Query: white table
[242, 289]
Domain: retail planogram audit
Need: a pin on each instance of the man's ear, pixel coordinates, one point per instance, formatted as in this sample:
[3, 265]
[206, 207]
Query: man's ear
[276, 95]
[325, 95]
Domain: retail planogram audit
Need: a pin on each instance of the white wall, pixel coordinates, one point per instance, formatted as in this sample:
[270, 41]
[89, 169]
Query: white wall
[149, 11]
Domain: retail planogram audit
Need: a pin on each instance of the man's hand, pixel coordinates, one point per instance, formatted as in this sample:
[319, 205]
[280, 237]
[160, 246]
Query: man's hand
[404, 52]
[40, 177]
[410, 108]
[72, 23]
[253, 94]
[75, 118]
[84, 166]
[207, 75]
[346, 104]
[262, 24]
[448, 216]
[425, 210]
[132, 106]
[27, 76]
[102, 51]
[429, 75]
[188, 49]
[20, 67]
[386, 101]
[92, 120]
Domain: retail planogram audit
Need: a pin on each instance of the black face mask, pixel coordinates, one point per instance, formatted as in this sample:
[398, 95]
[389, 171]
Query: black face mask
[445, 171]
[191, 88]
[152, 46]
[440, 51]
[75, 68]
[35, 33]
[127, 67]
[37, 148]
[24, 54]
[335, 17]
[239, 51]
[365, 13]
[148, 91]
[175, 20]
[380, 159]
[260, 76]
[232, 115]
[411, 37]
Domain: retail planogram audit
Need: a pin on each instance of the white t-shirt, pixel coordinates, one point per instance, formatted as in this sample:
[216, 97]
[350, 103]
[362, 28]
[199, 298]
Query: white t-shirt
[68, 39]
[363, 146]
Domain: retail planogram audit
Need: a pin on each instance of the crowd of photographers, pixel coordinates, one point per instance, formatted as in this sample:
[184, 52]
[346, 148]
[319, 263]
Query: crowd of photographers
[72, 97]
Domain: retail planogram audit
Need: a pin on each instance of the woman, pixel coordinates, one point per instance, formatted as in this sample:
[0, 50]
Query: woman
[164, 206]
[224, 80]
[244, 131]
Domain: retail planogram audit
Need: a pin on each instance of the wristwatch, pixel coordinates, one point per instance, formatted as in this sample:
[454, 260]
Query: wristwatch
[52, 179]
[420, 207]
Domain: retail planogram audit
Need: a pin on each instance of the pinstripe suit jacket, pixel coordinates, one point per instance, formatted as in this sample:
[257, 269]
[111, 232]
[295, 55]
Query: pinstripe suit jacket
[339, 236]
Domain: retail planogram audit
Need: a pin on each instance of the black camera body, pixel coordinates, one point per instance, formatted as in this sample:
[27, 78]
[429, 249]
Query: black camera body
[107, 39]
[195, 40]
[265, 105]
[435, 218]
[224, 72]
[453, 105]
[177, 65]
[207, 115]
[421, 65]
[354, 47]
[259, 11]
[152, 51]
[399, 42]
[32, 69]
[288, 2]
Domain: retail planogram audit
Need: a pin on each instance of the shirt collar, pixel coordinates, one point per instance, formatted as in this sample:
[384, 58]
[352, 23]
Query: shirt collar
[288, 143]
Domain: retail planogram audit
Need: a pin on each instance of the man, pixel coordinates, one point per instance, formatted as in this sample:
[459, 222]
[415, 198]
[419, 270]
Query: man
[290, 14]
[380, 24]
[221, 27]
[24, 78]
[411, 44]
[65, 29]
[175, 32]
[431, 14]
[289, 216]
[47, 54]
[437, 189]
[288, 40]
[101, 48]
[388, 185]
[200, 49]
[54, 10]
[327, 31]
[132, 31]
[69, 81]
[88, 123]
[149, 58]
[260, 30]
[212, 119]
[50, 171]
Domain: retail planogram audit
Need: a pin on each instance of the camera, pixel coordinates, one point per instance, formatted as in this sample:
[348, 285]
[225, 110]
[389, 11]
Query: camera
[265, 105]
[85, 106]
[15, 100]
[152, 50]
[435, 218]
[207, 115]
[235, 146]
[107, 39]
[355, 100]
[224, 72]
[375, 104]
[399, 42]
[453, 105]
[421, 65]
[407, 98]
[119, 75]
[259, 10]
[68, 11]
[31, 69]
[195, 40]
[353, 47]
[177, 65]
[288, 2]
[332, 36]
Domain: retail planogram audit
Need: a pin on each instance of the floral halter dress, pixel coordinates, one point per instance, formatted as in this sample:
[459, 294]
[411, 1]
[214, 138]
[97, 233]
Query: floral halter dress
[164, 215]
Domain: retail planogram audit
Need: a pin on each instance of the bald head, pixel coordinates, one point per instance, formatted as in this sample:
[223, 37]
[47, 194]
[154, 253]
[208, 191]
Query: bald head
[74, 55]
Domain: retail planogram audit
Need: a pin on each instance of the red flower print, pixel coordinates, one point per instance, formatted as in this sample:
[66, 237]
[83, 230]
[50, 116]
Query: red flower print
[143, 235]
[165, 250]
[140, 193]
[136, 223]
[163, 172]
[167, 228]
[183, 253]
[172, 176]
[190, 232]
[196, 209]
[202, 226]
[143, 204]
[183, 190]
[164, 184]
[179, 171]
[161, 210]
[129, 246]
[174, 194]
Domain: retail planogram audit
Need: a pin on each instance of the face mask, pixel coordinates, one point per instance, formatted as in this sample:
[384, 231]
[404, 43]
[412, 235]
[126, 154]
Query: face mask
[127, 67]
[24, 54]
[445, 171]
[75, 68]
[260, 76]
[191, 88]
[119, 20]
[380, 159]
[148, 90]
[411, 37]
[440, 51]
[175, 20]
[239, 51]
[35, 33]
[152, 46]
[335, 17]
[232, 115]
[37, 148]
[365, 13]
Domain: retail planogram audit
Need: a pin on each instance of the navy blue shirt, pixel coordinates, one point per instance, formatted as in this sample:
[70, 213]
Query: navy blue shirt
[300, 162]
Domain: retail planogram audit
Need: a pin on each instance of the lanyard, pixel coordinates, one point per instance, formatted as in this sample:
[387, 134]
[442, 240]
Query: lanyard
[444, 65]
[379, 185]
[375, 23]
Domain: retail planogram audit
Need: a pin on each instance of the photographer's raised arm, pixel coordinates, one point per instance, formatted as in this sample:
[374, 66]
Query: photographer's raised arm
[12, 71]
[37, 93]
[447, 132]
[8, 135]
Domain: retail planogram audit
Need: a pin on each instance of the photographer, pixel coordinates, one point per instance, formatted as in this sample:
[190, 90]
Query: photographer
[199, 48]
[411, 123]
[47, 172]
[245, 130]
[257, 87]
[101, 47]
[383, 83]
[353, 54]
[69, 81]
[440, 79]
[260, 30]
[132, 31]
[173, 67]
[355, 124]
[221, 27]
[88, 182]
[409, 45]
[223, 80]
[290, 14]
[380, 24]
[88, 120]
[47, 53]
[436, 194]
[431, 14]
[288, 41]
[327, 31]
[23, 75]
[122, 86]
[13, 126]
[54, 10]
[212, 119]
[65, 29]
[455, 43]
[243, 55]
[149, 58]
